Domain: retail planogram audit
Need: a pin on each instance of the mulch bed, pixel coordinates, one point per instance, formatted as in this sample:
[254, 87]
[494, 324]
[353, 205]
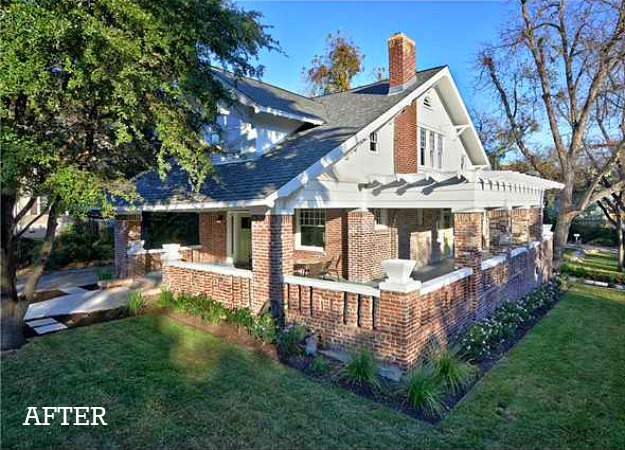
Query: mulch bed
[391, 395]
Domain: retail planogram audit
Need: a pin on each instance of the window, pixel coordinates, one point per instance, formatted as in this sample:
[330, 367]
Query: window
[439, 151]
[422, 145]
[381, 218]
[373, 141]
[312, 228]
[432, 143]
[447, 218]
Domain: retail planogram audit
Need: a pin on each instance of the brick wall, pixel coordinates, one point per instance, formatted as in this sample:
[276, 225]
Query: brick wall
[405, 140]
[272, 256]
[213, 237]
[336, 242]
[127, 228]
[520, 220]
[399, 328]
[499, 232]
[231, 291]
[467, 236]
[535, 224]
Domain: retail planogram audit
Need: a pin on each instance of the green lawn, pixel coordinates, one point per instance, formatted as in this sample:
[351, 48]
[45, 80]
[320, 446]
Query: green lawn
[165, 385]
[602, 260]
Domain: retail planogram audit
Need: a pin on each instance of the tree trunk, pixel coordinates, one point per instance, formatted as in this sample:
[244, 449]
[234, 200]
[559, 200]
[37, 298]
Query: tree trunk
[620, 232]
[563, 223]
[31, 283]
[12, 310]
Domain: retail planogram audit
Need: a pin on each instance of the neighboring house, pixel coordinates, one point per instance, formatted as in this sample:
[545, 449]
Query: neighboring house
[36, 221]
[312, 195]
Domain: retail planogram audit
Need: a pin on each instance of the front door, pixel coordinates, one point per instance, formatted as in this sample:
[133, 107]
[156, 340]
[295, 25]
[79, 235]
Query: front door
[240, 239]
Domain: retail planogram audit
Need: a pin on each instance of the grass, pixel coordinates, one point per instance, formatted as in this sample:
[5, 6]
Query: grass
[168, 385]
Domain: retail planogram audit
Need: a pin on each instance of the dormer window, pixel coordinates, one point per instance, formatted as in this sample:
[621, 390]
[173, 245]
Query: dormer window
[373, 142]
[427, 101]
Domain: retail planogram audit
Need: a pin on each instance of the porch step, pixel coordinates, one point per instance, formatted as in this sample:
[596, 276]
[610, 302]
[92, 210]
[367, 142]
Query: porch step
[45, 326]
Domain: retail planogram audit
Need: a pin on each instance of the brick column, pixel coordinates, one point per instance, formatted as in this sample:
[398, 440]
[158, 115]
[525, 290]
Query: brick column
[500, 230]
[536, 223]
[360, 245]
[520, 218]
[127, 229]
[272, 257]
[467, 236]
[398, 321]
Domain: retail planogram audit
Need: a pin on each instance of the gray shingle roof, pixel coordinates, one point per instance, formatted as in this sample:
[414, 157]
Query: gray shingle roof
[344, 113]
[272, 96]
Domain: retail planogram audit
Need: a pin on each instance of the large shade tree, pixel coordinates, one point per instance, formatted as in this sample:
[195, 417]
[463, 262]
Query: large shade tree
[552, 70]
[93, 91]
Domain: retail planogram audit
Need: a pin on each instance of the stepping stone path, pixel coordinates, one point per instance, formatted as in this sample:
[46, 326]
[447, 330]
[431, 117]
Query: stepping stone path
[45, 326]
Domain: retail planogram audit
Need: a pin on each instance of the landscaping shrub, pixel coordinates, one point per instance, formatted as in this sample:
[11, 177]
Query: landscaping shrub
[450, 371]
[242, 317]
[319, 365]
[77, 245]
[423, 391]
[580, 271]
[105, 274]
[484, 339]
[264, 328]
[596, 234]
[361, 370]
[291, 340]
[165, 299]
[135, 303]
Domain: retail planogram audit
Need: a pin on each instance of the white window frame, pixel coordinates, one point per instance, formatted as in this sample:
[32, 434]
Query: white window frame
[439, 150]
[423, 139]
[373, 142]
[432, 147]
[381, 222]
[298, 234]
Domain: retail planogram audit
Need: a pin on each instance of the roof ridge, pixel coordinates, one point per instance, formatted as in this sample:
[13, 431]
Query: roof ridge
[362, 86]
[312, 99]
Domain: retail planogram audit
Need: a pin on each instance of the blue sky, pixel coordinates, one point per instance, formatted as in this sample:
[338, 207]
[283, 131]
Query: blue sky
[445, 33]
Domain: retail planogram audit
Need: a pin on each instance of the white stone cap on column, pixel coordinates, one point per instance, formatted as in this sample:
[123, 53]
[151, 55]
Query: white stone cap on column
[398, 273]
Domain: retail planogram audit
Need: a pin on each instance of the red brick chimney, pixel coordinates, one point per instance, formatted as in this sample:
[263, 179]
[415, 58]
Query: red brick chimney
[402, 73]
[402, 66]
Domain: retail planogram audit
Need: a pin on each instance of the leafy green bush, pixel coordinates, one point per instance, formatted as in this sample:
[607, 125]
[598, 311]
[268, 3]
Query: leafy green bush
[482, 340]
[135, 303]
[595, 233]
[291, 340]
[450, 371]
[361, 370]
[241, 317]
[580, 271]
[105, 274]
[165, 299]
[423, 390]
[319, 365]
[264, 328]
[77, 245]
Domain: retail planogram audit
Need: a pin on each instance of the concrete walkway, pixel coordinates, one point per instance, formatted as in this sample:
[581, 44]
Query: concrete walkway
[79, 303]
[63, 278]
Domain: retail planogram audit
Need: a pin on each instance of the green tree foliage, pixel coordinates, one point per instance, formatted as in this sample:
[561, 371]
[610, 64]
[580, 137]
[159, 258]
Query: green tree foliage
[94, 91]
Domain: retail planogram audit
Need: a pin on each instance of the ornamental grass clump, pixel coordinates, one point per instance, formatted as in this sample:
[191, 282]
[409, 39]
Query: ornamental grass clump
[291, 340]
[423, 391]
[453, 373]
[135, 303]
[361, 370]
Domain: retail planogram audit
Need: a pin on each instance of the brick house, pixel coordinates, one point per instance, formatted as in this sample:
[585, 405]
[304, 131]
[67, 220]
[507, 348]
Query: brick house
[370, 215]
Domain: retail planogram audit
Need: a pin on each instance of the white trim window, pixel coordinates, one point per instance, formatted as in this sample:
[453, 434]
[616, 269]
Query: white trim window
[373, 142]
[381, 219]
[431, 148]
[311, 229]
[422, 145]
[439, 151]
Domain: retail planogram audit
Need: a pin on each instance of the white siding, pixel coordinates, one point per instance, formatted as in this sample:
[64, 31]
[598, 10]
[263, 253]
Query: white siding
[436, 119]
[362, 160]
